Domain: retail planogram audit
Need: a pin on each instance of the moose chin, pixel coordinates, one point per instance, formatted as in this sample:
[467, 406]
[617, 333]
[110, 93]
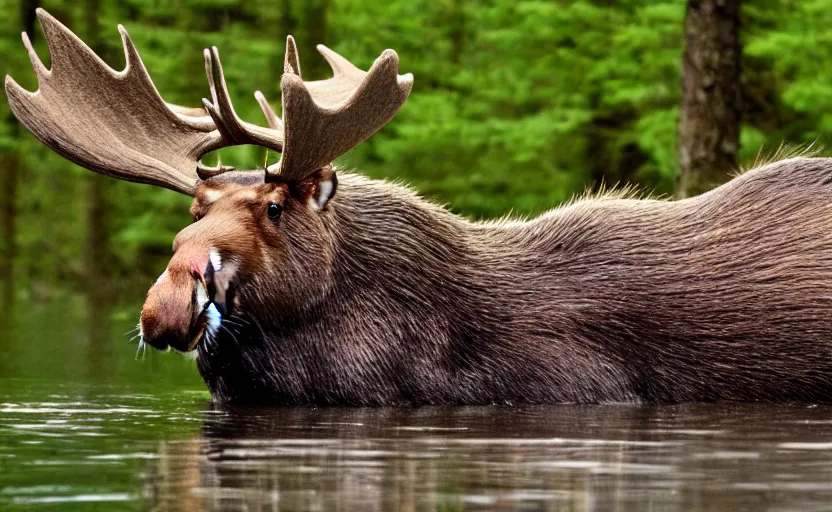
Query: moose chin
[303, 284]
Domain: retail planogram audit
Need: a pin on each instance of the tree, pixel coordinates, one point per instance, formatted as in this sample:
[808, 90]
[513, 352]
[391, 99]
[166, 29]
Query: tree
[96, 273]
[9, 176]
[709, 123]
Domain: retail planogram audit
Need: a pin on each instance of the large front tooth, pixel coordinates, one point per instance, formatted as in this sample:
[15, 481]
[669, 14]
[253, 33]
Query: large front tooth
[216, 259]
[201, 295]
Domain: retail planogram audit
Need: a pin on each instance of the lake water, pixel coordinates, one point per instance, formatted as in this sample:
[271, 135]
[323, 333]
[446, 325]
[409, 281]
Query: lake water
[85, 426]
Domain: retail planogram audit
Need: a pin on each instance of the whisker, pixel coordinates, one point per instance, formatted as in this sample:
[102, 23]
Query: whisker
[230, 333]
[238, 320]
[137, 330]
[234, 323]
[262, 332]
[209, 342]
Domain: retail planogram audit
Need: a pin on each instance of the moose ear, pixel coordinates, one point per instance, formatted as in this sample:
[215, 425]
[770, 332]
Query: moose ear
[319, 188]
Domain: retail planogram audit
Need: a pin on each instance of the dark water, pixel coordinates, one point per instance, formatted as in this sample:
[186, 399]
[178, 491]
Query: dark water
[86, 427]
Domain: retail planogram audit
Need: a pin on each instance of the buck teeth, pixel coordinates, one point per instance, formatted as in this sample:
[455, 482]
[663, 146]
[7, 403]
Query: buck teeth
[216, 259]
[201, 295]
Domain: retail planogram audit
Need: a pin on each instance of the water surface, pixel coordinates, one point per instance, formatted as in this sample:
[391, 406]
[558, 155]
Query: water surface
[87, 427]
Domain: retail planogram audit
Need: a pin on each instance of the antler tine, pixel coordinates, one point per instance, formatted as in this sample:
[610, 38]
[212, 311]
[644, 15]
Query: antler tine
[205, 172]
[274, 122]
[111, 122]
[235, 131]
[291, 63]
[37, 64]
[131, 54]
[188, 111]
[340, 66]
[325, 119]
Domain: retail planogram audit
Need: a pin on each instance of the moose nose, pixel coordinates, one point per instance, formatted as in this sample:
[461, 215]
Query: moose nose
[171, 313]
[193, 295]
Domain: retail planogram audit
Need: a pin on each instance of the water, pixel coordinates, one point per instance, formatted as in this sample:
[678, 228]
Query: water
[101, 431]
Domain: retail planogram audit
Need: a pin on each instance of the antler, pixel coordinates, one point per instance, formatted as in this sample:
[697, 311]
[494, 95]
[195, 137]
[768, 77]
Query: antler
[234, 130]
[116, 123]
[324, 119]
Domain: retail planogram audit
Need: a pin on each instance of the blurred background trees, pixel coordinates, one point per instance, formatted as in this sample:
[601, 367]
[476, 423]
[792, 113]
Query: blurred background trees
[517, 106]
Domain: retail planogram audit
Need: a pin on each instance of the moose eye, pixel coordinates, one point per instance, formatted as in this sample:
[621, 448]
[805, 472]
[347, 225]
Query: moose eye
[274, 211]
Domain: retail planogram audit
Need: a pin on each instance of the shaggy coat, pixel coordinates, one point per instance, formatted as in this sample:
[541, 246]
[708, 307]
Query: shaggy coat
[724, 296]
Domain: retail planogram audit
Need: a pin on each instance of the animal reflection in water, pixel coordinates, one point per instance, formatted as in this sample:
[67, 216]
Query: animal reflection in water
[302, 284]
[587, 458]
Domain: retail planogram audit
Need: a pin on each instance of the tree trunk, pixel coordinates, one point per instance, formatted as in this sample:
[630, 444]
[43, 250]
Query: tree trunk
[288, 23]
[9, 176]
[316, 31]
[709, 124]
[96, 212]
[97, 268]
[9, 171]
[308, 22]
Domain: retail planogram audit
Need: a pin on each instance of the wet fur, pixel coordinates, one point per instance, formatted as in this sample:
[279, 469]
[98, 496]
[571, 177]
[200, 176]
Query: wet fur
[725, 296]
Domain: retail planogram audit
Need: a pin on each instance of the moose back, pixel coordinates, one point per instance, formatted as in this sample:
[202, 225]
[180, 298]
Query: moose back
[302, 284]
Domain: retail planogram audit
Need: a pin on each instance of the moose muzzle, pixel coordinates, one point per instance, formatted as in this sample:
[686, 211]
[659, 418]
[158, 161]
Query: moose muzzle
[189, 298]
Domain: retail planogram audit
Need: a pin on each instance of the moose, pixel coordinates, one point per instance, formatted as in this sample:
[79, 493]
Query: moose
[304, 284]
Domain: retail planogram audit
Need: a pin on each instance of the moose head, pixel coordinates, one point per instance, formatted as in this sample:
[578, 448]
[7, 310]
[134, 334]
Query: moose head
[254, 230]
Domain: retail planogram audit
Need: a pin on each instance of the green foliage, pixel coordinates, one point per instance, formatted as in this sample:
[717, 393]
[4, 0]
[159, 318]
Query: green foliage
[517, 106]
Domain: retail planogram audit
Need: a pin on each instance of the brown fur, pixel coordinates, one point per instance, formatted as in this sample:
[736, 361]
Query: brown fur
[373, 296]
[384, 298]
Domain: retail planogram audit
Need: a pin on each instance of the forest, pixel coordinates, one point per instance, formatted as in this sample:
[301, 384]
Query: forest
[517, 107]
